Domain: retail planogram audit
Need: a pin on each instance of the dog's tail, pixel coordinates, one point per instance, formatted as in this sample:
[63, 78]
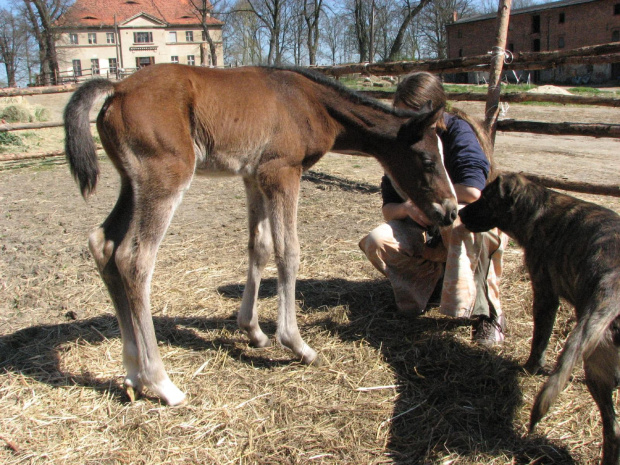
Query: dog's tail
[584, 338]
[79, 145]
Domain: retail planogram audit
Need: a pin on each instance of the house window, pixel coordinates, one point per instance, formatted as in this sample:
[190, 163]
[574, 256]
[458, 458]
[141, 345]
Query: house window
[191, 60]
[141, 62]
[459, 34]
[562, 18]
[561, 42]
[189, 36]
[615, 35]
[109, 37]
[143, 37]
[94, 66]
[113, 65]
[174, 59]
[536, 45]
[172, 36]
[460, 52]
[617, 9]
[77, 67]
[535, 24]
[73, 39]
[92, 38]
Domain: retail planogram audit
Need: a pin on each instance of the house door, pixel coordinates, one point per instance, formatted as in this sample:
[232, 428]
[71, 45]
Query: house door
[141, 62]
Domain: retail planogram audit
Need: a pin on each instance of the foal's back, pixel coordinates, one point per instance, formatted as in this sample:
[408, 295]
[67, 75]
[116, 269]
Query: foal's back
[225, 121]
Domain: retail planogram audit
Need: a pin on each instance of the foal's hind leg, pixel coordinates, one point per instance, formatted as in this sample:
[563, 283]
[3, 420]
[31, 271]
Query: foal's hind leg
[259, 248]
[601, 369]
[125, 249]
[281, 187]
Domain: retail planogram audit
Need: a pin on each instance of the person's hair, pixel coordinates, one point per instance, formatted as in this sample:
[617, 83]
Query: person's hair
[416, 89]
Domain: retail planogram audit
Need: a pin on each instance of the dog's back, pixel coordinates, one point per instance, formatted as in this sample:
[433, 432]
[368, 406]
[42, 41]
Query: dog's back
[572, 250]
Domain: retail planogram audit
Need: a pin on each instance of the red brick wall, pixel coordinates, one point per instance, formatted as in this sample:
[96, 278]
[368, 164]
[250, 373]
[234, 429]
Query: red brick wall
[584, 24]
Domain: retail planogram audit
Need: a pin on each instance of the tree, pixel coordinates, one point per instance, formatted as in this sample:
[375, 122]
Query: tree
[204, 10]
[13, 39]
[362, 14]
[274, 15]
[42, 14]
[333, 33]
[243, 44]
[433, 19]
[409, 12]
[312, 12]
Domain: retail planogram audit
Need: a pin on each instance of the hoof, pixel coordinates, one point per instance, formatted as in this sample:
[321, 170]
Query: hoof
[261, 344]
[132, 393]
[309, 356]
[318, 361]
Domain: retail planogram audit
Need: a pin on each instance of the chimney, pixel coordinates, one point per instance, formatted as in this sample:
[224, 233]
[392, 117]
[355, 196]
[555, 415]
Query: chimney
[455, 16]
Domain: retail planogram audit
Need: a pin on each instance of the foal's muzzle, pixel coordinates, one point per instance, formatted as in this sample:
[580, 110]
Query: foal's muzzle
[446, 212]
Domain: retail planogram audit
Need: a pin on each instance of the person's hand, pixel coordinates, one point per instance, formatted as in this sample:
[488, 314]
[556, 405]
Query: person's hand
[416, 214]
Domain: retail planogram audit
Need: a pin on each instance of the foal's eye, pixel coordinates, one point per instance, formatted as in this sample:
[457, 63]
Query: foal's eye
[428, 164]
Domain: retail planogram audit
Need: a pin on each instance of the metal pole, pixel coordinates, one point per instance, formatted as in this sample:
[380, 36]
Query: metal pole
[497, 64]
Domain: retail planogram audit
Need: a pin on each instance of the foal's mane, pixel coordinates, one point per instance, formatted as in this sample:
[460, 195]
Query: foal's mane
[345, 92]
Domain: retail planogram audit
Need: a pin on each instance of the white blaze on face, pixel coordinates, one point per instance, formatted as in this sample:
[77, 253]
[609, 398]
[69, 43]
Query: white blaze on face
[440, 146]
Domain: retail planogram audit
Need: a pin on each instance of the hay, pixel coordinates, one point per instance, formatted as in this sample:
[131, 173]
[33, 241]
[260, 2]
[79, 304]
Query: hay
[394, 390]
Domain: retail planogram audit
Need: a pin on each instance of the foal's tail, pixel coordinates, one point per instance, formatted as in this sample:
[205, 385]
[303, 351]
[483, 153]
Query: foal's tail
[79, 144]
[584, 339]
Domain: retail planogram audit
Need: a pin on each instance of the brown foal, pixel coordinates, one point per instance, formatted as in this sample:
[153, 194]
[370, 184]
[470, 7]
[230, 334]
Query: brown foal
[167, 122]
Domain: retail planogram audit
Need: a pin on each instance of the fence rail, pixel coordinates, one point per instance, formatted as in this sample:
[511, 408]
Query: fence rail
[606, 53]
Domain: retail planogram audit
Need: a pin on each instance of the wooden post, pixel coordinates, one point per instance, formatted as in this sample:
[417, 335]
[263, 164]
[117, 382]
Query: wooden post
[497, 64]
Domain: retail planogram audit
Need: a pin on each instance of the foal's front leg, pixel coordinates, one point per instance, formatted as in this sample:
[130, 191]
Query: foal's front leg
[259, 249]
[281, 187]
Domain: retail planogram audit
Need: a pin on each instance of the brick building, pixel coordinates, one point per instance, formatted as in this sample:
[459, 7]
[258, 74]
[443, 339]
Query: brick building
[114, 37]
[561, 25]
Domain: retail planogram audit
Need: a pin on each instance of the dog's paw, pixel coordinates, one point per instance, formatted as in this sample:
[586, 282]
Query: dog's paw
[532, 367]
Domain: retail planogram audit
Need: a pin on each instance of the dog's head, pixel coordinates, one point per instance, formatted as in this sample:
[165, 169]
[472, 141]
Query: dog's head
[496, 206]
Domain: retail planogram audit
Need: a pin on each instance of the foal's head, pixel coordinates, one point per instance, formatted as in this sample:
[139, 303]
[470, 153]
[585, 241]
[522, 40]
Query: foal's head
[423, 92]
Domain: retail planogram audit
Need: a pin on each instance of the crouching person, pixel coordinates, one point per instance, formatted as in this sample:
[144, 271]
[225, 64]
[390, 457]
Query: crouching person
[453, 267]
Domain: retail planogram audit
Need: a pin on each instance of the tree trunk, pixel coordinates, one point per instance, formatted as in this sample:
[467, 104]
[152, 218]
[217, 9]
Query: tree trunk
[397, 45]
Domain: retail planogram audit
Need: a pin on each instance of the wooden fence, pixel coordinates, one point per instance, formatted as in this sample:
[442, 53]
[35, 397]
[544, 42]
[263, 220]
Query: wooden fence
[605, 53]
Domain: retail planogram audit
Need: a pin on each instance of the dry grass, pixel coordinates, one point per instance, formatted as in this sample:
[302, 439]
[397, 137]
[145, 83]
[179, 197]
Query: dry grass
[394, 390]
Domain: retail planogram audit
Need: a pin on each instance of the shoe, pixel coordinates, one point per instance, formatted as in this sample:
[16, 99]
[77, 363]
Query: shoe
[489, 331]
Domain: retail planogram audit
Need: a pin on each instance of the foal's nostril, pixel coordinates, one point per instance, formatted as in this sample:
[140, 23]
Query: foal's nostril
[453, 215]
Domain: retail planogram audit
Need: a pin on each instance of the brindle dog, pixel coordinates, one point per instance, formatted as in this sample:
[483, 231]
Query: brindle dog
[572, 250]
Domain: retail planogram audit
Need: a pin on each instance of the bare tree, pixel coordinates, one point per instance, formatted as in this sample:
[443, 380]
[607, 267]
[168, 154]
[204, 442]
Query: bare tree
[333, 34]
[13, 39]
[312, 12]
[409, 12]
[42, 14]
[362, 20]
[204, 9]
[243, 44]
[433, 19]
[274, 15]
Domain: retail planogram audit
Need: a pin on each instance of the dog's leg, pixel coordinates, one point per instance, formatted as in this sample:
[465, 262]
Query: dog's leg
[601, 369]
[545, 308]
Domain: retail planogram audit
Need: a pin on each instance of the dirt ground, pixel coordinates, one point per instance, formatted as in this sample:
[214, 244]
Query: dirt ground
[394, 390]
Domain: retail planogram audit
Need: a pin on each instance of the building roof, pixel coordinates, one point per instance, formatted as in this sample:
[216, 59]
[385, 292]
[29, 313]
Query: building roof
[528, 9]
[100, 13]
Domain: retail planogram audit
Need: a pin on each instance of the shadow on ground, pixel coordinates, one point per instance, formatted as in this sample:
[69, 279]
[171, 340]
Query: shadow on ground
[453, 396]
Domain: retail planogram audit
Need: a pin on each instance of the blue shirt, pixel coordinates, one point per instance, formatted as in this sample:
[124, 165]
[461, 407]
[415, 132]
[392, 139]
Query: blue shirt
[464, 159]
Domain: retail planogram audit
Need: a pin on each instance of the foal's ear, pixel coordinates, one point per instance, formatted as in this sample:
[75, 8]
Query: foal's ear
[413, 130]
